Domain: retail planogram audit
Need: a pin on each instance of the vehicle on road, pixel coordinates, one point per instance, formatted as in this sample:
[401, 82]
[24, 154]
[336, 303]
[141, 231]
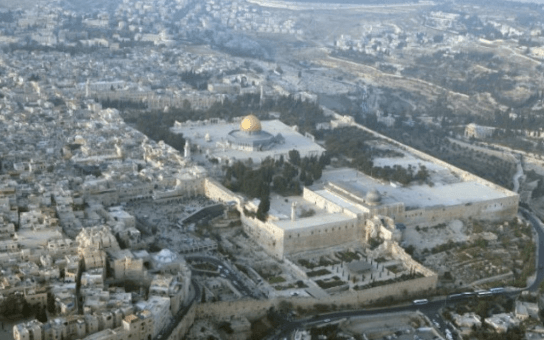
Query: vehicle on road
[420, 302]
[456, 296]
[497, 290]
[484, 294]
[327, 320]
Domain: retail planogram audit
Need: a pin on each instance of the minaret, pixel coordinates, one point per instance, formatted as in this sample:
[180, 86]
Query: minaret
[293, 211]
[187, 150]
[261, 98]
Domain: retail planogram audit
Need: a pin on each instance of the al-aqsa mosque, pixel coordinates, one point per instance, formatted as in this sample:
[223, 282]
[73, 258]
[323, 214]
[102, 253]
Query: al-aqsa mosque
[244, 138]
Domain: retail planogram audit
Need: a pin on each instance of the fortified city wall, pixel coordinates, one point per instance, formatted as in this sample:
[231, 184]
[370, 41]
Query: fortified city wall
[267, 235]
[217, 192]
[400, 254]
[256, 309]
[186, 323]
[324, 235]
[498, 209]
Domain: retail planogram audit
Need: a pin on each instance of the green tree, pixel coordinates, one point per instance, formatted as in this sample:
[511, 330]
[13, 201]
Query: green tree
[12, 305]
[302, 176]
[264, 207]
[317, 171]
[41, 315]
[203, 299]
[51, 303]
[27, 309]
[294, 157]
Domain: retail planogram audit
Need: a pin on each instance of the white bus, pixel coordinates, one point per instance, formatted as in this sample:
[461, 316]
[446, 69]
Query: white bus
[420, 302]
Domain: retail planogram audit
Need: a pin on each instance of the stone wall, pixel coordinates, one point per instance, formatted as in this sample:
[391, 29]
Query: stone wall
[225, 310]
[506, 156]
[185, 324]
[267, 235]
[321, 202]
[497, 209]
[256, 309]
[323, 235]
[399, 253]
[217, 192]
[278, 242]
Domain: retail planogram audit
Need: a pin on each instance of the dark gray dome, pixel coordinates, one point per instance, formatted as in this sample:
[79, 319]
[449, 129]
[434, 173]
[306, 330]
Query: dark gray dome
[373, 197]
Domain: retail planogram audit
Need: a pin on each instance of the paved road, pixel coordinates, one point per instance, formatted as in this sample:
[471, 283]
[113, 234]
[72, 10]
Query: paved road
[539, 228]
[431, 310]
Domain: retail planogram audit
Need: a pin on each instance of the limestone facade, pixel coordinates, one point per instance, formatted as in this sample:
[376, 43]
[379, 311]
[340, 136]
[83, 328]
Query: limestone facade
[138, 326]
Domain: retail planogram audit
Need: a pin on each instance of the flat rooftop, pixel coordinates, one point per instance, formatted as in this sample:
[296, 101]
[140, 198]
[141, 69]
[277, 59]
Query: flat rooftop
[219, 133]
[282, 210]
[313, 221]
[413, 196]
[31, 239]
[340, 201]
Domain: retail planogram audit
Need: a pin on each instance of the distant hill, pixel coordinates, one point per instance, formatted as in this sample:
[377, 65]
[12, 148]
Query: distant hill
[362, 2]
[22, 4]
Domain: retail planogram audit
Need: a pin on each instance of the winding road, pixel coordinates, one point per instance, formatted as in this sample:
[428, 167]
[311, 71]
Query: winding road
[431, 310]
[539, 228]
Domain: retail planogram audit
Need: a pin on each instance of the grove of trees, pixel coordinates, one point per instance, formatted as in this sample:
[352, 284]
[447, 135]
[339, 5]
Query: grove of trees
[351, 142]
[283, 177]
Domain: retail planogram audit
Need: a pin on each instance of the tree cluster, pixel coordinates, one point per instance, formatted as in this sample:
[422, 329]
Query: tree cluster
[435, 142]
[16, 304]
[352, 143]
[283, 177]
[198, 81]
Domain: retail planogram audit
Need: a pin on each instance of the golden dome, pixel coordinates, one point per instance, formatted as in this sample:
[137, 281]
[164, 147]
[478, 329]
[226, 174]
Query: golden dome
[250, 124]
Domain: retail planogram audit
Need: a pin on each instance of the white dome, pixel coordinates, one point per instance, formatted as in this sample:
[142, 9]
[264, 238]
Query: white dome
[165, 256]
